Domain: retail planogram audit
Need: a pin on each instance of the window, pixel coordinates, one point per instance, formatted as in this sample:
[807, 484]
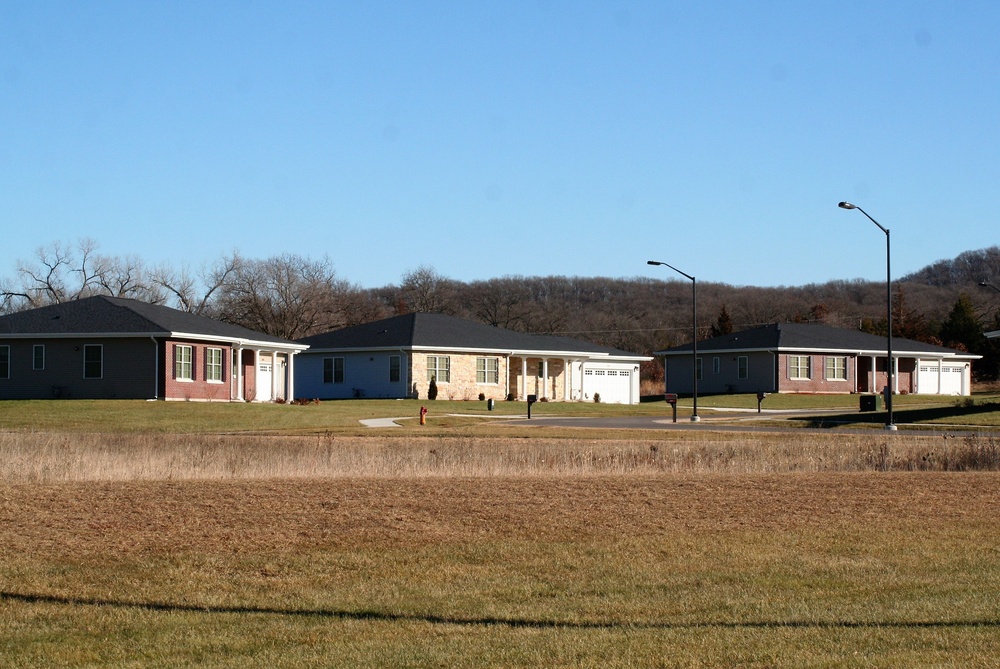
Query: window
[698, 367]
[93, 361]
[487, 370]
[836, 368]
[798, 367]
[716, 365]
[394, 369]
[4, 362]
[183, 357]
[439, 368]
[743, 367]
[213, 365]
[333, 370]
[38, 356]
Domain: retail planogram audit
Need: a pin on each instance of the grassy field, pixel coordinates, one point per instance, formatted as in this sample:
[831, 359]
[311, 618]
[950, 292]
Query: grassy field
[342, 417]
[894, 570]
[164, 535]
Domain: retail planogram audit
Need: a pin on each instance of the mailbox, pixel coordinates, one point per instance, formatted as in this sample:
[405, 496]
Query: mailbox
[671, 399]
[531, 400]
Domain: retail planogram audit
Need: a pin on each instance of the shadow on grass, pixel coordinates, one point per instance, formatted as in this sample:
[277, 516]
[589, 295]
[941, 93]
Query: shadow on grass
[487, 621]
[927, 416]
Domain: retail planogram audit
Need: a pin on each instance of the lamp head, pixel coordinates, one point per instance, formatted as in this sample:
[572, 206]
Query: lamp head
[847, 205]
[653, 262]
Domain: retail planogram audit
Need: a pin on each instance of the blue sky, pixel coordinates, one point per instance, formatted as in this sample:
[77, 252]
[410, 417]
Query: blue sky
[485, 139]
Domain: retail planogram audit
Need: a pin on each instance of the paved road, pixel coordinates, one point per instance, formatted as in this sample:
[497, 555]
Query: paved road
[729, 422]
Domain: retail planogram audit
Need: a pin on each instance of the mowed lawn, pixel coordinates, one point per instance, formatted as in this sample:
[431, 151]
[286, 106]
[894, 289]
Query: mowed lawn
[898, 569]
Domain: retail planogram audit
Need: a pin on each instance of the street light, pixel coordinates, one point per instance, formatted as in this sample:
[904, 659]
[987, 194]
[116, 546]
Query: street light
[986, 284]
[694, 335]
[889, 425]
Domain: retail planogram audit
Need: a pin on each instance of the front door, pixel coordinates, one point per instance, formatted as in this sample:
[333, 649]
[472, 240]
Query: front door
[264, 372]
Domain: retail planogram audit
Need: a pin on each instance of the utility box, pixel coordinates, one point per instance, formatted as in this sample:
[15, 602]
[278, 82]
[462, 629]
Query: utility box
[871, 402]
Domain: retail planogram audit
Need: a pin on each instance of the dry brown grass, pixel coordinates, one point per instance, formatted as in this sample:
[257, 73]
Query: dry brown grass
[301, 552]
[113, 520]
[53, 457]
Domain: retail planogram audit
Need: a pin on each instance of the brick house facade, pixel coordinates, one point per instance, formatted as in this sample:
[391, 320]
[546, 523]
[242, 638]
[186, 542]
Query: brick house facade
[115, 348]
[812, 358]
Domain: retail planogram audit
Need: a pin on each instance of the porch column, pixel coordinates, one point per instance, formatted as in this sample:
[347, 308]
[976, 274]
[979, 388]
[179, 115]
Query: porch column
[290, 377]
[506, 376]
[238, 367]
[545, 377]
[565, 379]
[256, 373]
[274, 375]
[524, 377]
[895, 374]
[871, 385]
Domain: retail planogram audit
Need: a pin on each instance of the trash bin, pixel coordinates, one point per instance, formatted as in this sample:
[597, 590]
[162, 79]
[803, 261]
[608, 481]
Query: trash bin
[489, 404]
[871, 402]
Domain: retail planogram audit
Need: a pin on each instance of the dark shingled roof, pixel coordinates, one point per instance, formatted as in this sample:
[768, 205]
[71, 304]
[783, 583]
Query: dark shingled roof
[448, 332]
[102, 315]
[809, 336]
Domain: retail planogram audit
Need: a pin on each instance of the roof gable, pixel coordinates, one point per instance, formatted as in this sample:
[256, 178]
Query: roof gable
[103, 315]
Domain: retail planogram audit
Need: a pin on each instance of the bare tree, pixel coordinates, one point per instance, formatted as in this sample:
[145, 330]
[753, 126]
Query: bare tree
[61, 272]
[195, 293]
[424, 290]
[502, 302]
[286, 296]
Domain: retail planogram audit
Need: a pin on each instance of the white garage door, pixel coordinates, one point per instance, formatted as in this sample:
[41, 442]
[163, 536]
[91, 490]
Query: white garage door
[613, 385]
[950, 379]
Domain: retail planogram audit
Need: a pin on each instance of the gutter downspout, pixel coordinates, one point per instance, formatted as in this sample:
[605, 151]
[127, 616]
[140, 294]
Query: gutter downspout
[156, 368]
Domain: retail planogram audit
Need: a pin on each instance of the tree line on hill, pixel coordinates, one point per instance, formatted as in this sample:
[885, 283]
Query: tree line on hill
[292, 296]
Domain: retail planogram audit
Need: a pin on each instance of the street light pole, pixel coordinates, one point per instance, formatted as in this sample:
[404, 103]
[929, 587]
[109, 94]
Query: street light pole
[694, 336]
[986, 284]
[889, 425]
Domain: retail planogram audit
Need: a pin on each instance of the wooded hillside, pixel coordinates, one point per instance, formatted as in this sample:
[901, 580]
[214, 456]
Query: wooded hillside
[292, 296]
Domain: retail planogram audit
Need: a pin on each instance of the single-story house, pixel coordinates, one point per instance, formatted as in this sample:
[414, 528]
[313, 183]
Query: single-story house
[108, 347]
[397, 358]
[811, 358]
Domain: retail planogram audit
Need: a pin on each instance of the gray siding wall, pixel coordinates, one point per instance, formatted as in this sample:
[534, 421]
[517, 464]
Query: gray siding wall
[760, 373]
[129, 370]
[367, 372]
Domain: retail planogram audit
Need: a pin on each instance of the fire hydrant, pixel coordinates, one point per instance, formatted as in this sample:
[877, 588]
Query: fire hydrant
[423, 415]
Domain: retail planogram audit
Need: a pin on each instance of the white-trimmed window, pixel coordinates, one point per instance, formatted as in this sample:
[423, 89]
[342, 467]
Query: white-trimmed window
[488, 370]
[798, 367]
[395, 369]
[333, 370]
[836, 368]
[93, 361]
[4, 362]
[743, 367]
[183, 362]
[38, 356]
[213, 365]
[439, 368]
